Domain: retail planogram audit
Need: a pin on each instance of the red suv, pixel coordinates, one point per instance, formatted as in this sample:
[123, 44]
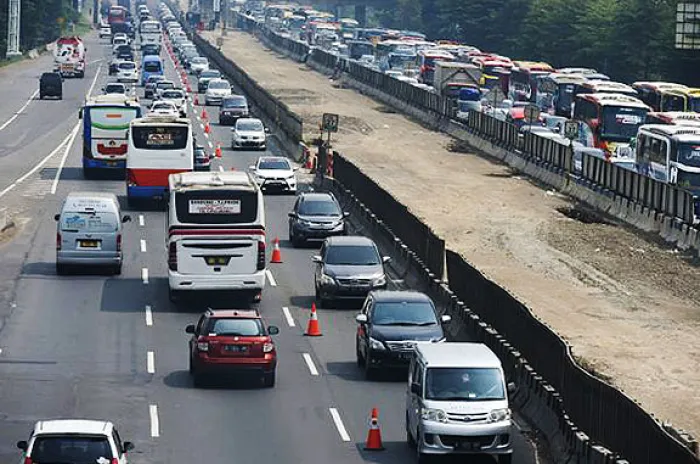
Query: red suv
[232, 341]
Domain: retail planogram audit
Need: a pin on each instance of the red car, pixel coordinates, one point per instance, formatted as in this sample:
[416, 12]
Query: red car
[232, 341]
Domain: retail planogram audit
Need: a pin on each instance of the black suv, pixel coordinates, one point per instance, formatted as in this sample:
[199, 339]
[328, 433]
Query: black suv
[51, 85]
[390, 324]
[316, 216]
[232, 108]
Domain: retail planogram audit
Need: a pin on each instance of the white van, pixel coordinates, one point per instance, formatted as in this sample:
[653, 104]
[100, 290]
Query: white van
[457, 402]
[216, 233]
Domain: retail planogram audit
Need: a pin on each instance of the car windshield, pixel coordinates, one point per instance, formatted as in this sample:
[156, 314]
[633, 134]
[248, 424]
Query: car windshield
[114, 88]
[172, 94]
[210, 74]
[464, 384]
[239, 327]
[403, 313]
[88, 222]
[352, 255]
[163, 106]
[165, 85]
[274, 164]
[235, 103]
[71, 449]
[250, 126]
[127, 65]
[199, 60]
[319, 208]
[219, 85]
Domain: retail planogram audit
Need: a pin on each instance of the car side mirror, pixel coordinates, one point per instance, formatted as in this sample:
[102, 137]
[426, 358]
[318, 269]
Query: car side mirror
[126, 218]
[189, 329]
[346, 214]
[267, 130]
[511, 387]
[128, 446]
[252, 168]
[316, 259]
[415, 388]
[386, 259]
[292, 214]
[361, 318]
[295, 169]
[445, 319]
[273, 330]
[57, 217]
[23, 445]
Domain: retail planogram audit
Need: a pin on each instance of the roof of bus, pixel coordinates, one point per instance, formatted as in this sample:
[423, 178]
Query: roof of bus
[600, 85]
[534, 65]
[676, 116]
[434, 53]
[151, 58]
[682, 133]
[151, 119]
[212, 180]
[656, 85]
[614, 99]
[577, 71]
[112, 99]
[566, 78]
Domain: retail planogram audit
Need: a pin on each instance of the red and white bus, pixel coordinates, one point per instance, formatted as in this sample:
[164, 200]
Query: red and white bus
[117, 14]
[158, 146]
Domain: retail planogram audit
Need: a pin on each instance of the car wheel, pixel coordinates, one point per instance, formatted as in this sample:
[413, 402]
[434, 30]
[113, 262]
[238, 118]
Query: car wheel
[88, 173]
[60, 96]
[409, 437]
[505, 458]
[198, 380]
[269, 379]
[358, 355]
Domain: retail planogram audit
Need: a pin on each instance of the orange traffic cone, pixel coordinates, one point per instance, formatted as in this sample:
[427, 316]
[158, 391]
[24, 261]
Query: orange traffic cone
[218, 150]
[276, 252]
[196, 99]
[374, 436]
[313, 329]
[204, 113]
[207, 129]
[189, 89]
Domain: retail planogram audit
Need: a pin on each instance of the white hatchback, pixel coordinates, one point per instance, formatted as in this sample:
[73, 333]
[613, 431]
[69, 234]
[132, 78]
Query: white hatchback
[127, 72]
[249, 132]
[164, 108]
[275, 173]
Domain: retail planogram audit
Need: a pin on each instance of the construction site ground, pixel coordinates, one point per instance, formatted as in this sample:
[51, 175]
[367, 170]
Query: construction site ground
[627, 304]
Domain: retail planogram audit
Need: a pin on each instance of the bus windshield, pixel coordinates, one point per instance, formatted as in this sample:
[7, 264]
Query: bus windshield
[151, 66]
[160, 137]
[620, 124]
[674, 103]
[688, 180]
[689, 154]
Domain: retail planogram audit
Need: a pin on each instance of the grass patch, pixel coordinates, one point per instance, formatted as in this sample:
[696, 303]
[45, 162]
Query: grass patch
[13, 60]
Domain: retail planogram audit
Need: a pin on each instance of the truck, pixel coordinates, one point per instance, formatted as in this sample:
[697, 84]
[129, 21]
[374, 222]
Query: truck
[69, 57]
[451, 76]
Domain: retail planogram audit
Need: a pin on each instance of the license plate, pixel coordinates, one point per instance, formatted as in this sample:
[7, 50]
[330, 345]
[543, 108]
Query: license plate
[217, 260]
[111, 163]
[88, 243]
[468, 446]
[236, 348]
[405, 355]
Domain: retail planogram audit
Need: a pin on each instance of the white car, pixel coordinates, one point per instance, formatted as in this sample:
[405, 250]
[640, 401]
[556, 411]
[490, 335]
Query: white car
[127, 72]
[199, 64]
[115, 88]
[275, 173]
[216, 91]
[161, 87]
[122, 37]
[105, 32]
[118, 42]
[178, 98]
[164, 108]
[75, 440]
[249, 132]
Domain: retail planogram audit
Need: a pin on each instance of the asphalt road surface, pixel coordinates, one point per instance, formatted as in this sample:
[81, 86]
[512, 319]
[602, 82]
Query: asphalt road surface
[98, 346]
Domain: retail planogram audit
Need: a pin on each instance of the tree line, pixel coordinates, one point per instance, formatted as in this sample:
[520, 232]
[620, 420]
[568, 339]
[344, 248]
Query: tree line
[629, 40]
[41, 21]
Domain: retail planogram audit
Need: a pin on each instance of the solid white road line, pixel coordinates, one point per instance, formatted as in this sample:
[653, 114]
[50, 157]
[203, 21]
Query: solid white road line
[270, 278]
[288, 316]
[151, 362]
[94, 81]
[155, 425]
[310, 364]
[143, 246]
[69, 145]
[39, 164]
[206, 135]
[144, 275]
[339, 424]
[149, 316]
[24, 107]
[142, 220]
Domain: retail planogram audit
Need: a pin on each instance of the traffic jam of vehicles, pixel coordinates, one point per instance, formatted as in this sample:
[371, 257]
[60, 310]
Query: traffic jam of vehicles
[652, 128]
[143, 128]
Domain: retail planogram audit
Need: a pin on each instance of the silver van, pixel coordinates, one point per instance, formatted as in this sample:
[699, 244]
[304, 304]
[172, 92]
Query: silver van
[89, 231]
[457, 402]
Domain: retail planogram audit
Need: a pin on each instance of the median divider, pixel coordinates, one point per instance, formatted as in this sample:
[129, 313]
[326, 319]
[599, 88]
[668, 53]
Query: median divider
[579, 414]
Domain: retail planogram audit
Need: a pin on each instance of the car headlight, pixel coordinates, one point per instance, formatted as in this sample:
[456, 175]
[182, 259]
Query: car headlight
[304, 222]
[379, 281]
[433, 415]
[376, 344]
[291, 176]
[327, 280]
[499, 415]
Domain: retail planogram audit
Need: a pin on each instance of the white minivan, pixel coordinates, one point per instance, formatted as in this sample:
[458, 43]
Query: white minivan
[457, 402]
[216, 233]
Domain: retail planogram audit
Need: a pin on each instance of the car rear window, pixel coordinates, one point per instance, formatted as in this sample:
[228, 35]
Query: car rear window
[151, 66]
[236, 327]
[217, 207]
[73, 449]
[239, 102]
[274, 164]
[88, 222]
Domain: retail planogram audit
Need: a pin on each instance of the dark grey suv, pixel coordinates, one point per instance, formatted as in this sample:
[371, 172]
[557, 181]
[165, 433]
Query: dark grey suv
[348, 268]
[316, 216]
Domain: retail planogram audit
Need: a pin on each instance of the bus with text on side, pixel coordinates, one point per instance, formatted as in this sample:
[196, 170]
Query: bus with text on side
[426, 63]
[524, 80]
[555, 93]
[151, 65]
[106, 120]
[158, 146]
[679, 118]
[610, 122]
[662, 96]
[150, 32]
[670, 154]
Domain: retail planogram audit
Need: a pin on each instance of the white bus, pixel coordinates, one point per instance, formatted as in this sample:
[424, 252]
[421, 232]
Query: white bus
[158, 146]
[150, 33]
[216, 234]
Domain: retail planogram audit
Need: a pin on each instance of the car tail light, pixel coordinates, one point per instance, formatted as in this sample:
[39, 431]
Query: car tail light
[172, 256]
[268, 347]
[58, 240]
[27, 460]
[261, 255]
[115, 461]
[119, 242]
[203, 346]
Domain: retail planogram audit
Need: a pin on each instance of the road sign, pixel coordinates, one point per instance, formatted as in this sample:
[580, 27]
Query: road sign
[330, 122]
[571, 129]
[532, 114]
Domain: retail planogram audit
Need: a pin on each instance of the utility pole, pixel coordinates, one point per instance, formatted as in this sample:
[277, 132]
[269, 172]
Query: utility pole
[95, 12]
[13, 20]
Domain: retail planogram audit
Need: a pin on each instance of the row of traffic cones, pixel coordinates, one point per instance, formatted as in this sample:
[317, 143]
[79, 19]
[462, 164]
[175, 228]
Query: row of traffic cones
[313, 329]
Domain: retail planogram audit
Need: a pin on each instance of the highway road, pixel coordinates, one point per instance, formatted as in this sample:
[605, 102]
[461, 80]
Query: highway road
[114, 347]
